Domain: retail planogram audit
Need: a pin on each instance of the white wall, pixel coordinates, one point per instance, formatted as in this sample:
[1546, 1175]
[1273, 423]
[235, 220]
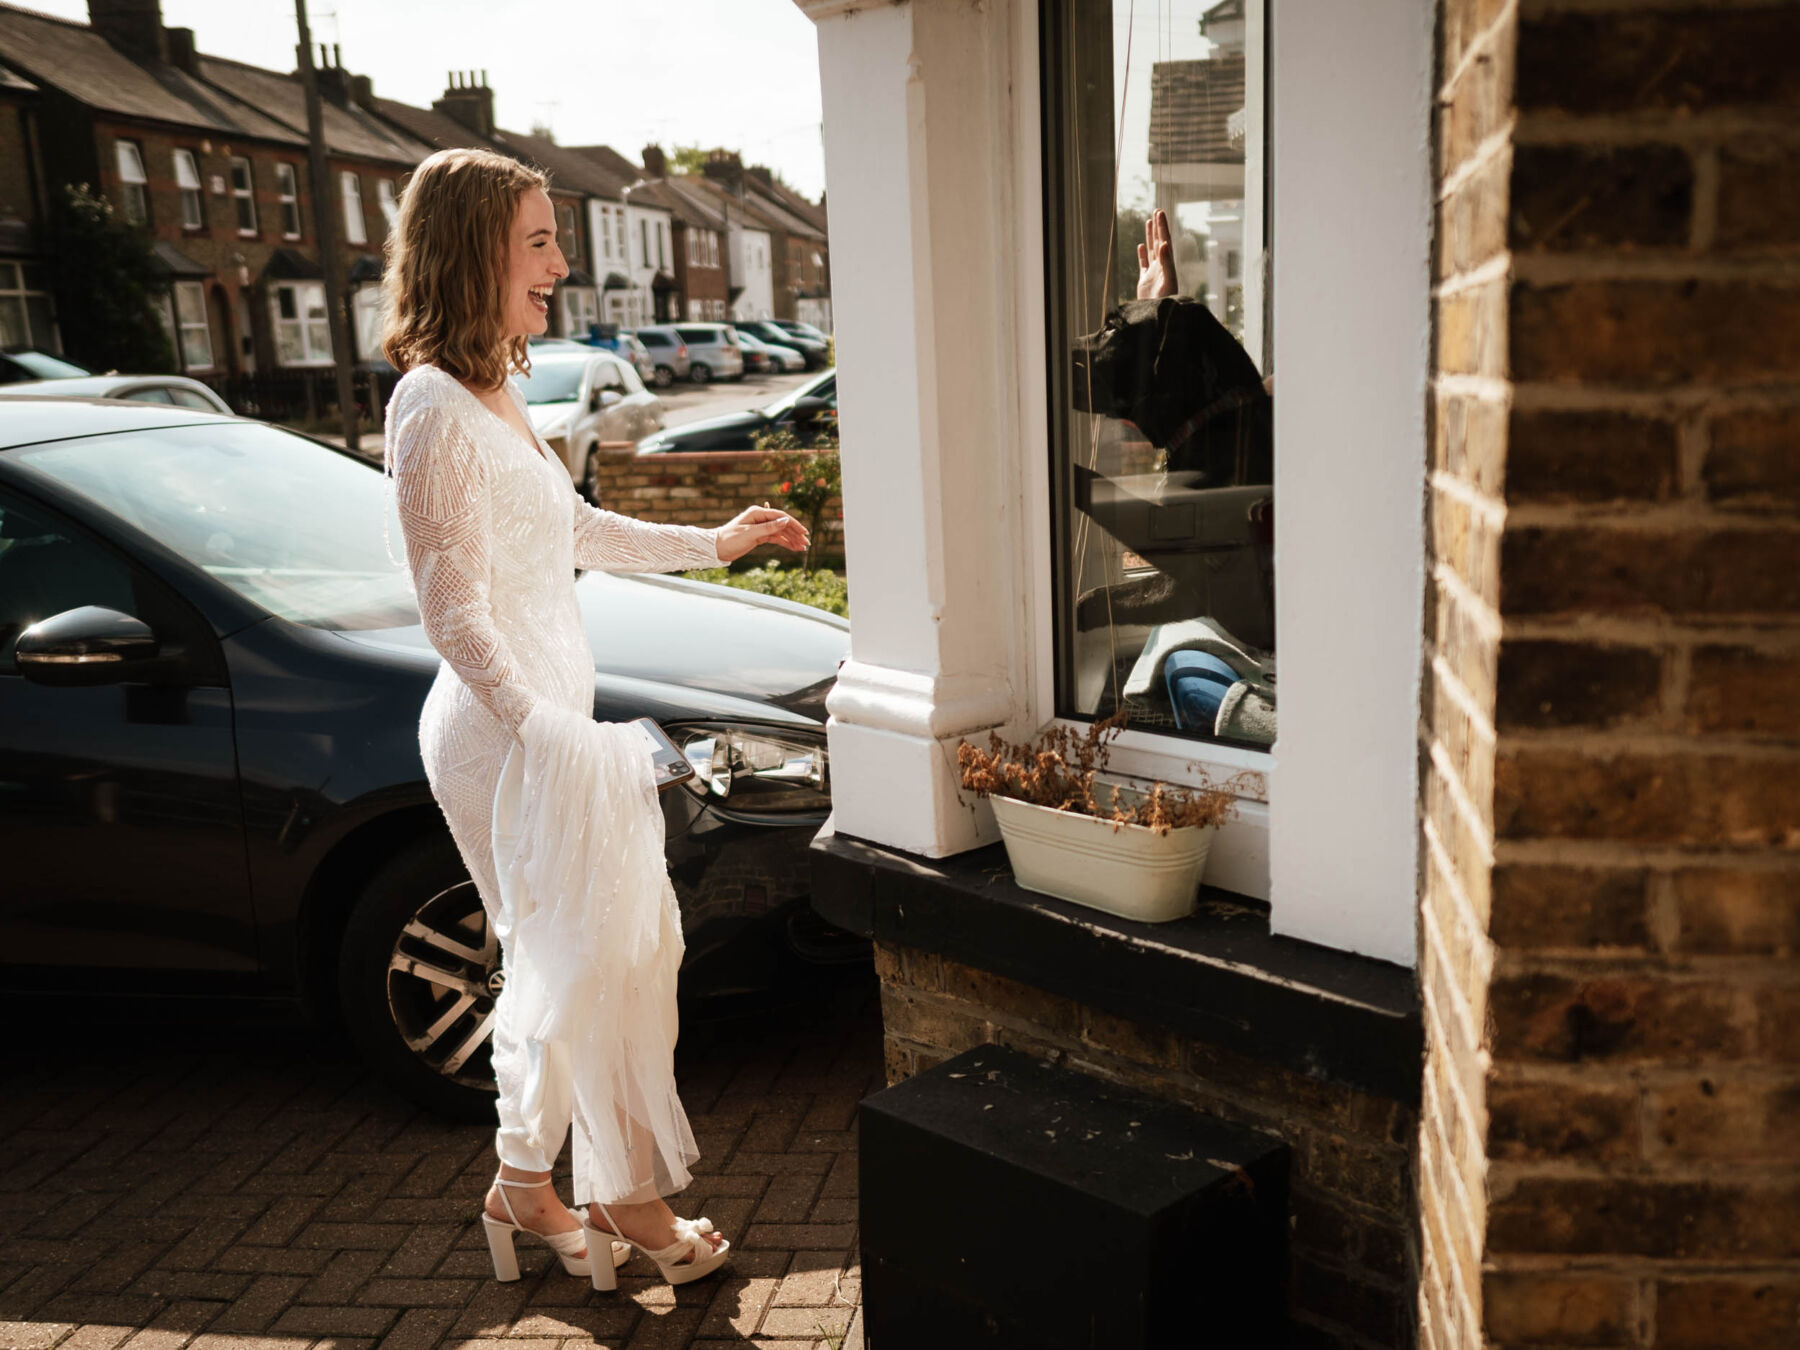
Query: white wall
[751, 263]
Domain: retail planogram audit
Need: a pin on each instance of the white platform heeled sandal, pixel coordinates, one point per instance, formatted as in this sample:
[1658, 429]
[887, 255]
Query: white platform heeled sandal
[689, 1257]
[567, 1246]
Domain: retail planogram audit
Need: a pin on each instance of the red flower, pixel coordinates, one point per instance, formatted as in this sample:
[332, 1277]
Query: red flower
[821, 482]
[787, 487]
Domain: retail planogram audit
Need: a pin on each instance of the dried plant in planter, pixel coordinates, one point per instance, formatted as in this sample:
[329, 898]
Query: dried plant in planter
[1062, 769]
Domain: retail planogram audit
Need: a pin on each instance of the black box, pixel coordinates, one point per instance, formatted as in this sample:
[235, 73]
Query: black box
[1009, 1203]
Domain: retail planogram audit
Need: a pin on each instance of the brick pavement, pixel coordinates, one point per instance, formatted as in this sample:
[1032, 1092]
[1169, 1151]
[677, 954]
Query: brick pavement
[239, 1188]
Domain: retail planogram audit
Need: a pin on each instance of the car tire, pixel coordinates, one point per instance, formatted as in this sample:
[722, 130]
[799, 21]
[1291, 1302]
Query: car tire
[421, 911]
[664, 377]
[699, 373]
[590, 476]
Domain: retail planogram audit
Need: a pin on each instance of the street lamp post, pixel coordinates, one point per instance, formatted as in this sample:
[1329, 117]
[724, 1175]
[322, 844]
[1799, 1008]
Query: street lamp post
[326, 226]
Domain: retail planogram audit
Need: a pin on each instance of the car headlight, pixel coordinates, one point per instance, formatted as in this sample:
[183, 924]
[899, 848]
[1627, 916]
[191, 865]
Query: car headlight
[757, 769]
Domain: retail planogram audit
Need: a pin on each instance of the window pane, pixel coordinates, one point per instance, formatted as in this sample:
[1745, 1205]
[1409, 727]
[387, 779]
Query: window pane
[46, 569]
[1161, 429]
[43, 326]
[289, 346]
[186, 174]
[13, 329]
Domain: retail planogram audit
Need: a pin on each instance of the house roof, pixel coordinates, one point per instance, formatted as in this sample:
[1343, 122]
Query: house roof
[656, 193]
[611, 160]
[8, 80]
[436, 129]
[1191, 103]
[348, 131]
[694, 206]
[809, 211]
[728, 203]
[569, 169]
[791, 221]
[74, 58]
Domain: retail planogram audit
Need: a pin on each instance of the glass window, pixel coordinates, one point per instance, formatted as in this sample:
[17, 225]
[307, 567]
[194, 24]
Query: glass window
[289, 524]
[302, 331]
[287, 188]
[644, 240]
[134, 200]
[26, 317]
[187, 398]
[187, 180]
[243, 190]
[619, 231]
[350, 186]
[45, 569]
[154, 393]
[387, 195]
[568, 238]
[1162, 447]
[193, 336]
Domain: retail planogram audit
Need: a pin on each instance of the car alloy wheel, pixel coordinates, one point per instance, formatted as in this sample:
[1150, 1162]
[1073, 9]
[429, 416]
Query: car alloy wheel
[699, 373]
[418, 974]
[664, 377]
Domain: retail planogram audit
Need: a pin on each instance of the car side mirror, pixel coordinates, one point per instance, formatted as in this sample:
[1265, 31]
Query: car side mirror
[808, 408]
[610, 398]
[86, 646]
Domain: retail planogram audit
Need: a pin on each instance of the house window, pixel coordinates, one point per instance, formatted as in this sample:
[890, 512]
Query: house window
[1162, 535]
[26, 318]
[387, 197]
[187, 180]
[662, 237]
[644, 240]
[302, 331]
[568, 237]
[350, 188]
[192, 334]
[580, 308]
[287, 188]
[243, 189]
[133, 198]
[619, 232]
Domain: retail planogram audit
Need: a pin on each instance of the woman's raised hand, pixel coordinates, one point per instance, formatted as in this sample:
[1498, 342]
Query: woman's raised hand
[759, 525]
[1156, 259]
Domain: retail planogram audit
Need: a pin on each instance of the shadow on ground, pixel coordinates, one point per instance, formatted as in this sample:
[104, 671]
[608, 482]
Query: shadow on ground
[228, 1185]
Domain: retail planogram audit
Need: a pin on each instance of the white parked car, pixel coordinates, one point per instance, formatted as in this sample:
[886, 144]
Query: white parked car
[584, 401]
[176, 389]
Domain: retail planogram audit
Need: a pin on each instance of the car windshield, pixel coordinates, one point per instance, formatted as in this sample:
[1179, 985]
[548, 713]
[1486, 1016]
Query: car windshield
[47, 367]
[552, 381]
[820, 386]
[290, 525]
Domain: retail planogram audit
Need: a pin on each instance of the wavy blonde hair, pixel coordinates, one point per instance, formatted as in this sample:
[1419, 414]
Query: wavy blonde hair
[446, 267]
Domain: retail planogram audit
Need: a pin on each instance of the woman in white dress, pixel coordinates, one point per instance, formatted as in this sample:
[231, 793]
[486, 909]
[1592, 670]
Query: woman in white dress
[494, 531]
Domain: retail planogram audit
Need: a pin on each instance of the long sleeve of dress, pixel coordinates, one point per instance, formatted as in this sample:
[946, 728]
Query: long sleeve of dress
[609, 542]
[447, 520]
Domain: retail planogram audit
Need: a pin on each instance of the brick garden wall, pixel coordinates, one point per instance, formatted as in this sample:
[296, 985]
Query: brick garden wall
[1616, 529]
[695, 488]
[1351, 1167]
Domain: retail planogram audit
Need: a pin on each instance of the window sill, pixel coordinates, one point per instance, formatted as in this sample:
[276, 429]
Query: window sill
[1218, 976]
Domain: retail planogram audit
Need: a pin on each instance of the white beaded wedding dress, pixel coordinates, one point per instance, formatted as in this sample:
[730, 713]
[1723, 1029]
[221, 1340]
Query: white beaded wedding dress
[578, 890]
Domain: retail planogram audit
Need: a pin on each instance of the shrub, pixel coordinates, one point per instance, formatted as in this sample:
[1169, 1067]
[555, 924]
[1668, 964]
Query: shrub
[820, 588]
[108, 291]
[808, 479]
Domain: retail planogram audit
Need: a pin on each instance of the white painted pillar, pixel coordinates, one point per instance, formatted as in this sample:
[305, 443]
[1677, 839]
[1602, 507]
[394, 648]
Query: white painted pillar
[919, 156]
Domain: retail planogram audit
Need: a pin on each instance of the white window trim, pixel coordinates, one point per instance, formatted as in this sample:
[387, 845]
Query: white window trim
[312, 359]
[184, 321]
[246, 193]
[185, 156]
[132, 175]
[356, 230]
[287, 184]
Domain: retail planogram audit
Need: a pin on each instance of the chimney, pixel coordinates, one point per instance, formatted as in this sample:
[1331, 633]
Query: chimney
[362, 91]
[135, 27]
[469, 100]
[334, 80]
[725, 166]
[655, 164]
[181, 50]
[761, 174]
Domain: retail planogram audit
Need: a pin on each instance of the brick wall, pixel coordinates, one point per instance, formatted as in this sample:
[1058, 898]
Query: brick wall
[1351, 1177]
[1612, 810]
[708, 488]
[17, 200]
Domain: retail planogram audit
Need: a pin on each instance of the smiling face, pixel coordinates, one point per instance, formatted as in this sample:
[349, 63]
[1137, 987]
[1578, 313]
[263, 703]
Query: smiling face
[534, 264]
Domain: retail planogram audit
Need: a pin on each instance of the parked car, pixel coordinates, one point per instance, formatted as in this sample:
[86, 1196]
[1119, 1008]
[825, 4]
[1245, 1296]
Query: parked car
[800, 329]
[211, 676]
[176, 389]
[809, 410]
[669, 353]
[579, 400]
[633, 350]
[757, 360]
[812, 350]
[783, 357]
[713, 353]
[25, 363]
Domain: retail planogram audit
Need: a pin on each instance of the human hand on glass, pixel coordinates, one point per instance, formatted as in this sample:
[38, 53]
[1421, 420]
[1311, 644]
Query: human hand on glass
[759, 525]
[1156, 259]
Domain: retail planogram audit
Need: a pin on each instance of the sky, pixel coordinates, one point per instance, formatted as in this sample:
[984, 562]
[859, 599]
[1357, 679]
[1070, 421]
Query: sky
[743, 74]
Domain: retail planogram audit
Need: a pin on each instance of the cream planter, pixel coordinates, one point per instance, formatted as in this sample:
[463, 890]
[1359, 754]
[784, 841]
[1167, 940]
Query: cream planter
[1128, 870]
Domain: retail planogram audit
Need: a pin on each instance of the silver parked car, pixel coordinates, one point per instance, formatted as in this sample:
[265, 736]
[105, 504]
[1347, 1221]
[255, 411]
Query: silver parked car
[175, 389]
[713, 351]
[586, 404]
[668, 353]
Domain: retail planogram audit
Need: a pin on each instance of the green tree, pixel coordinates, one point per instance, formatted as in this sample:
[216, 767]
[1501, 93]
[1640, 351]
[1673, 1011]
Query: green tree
[688, 159]
[108, 289]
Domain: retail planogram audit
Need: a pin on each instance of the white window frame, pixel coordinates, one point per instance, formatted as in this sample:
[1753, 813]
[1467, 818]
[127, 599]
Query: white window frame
[356, 229]
[312, 353]
[188, 299]
[287, 185]
[387, 197]
[192, 193]
[15, 291]
[244, 195]
[134, 184]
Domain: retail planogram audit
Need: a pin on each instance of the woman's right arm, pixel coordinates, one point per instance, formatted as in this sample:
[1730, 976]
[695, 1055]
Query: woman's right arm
[446, 518]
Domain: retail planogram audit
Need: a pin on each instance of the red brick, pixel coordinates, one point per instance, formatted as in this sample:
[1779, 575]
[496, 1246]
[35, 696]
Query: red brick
[1754, 460]
[1727, 912]
[1649, 573]
[988, 995]
[1622, 1019]
[1536, 1308]
[1570, 684]
[1759, 196]
[1685, 59]
[1745, 690]
[1745, 1313]
[1600, 197]
[1725, 1120]
[1688, 1220]
[1557, 1122]
[1561, 456]
[1547, 906]
[1654, 332]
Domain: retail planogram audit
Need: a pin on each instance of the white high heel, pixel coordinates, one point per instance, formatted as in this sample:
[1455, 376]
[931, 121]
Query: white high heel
[673, 1260]
[567, 1246]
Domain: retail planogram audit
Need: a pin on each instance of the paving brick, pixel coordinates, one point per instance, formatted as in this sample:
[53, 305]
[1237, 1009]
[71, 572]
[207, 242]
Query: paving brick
[258, 1307]
[738, 1306]
[811, 1282]
[33, 1335]
[419, 1329]
[826, 1323]
[327, 1321]
[834, 1237]
[608, 1319]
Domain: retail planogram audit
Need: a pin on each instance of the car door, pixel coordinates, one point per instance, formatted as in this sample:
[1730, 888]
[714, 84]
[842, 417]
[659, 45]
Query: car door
[121, 829]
